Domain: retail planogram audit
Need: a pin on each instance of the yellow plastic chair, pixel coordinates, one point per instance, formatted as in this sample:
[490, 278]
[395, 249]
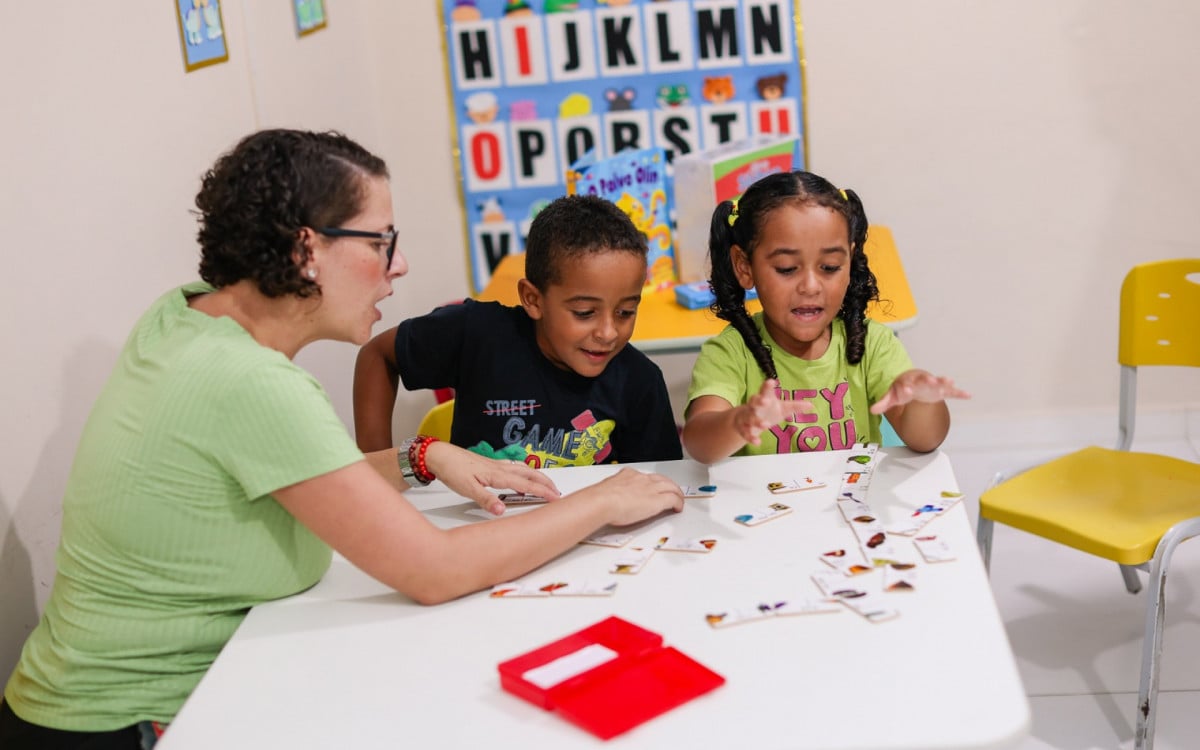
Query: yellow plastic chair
[436, 422]
[1131, 508]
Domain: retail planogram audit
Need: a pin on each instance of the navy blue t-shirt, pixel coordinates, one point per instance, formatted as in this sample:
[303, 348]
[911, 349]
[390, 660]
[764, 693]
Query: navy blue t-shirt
[508, 393]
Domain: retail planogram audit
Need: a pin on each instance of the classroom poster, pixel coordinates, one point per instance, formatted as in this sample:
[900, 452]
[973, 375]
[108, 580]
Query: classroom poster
[537, 84]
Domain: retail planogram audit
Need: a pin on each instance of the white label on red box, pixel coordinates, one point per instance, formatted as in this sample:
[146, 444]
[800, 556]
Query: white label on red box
[565, 667]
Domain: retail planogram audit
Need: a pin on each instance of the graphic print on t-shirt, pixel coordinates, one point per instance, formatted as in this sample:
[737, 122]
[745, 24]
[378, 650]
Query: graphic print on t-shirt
[583, 443]
[830, 427]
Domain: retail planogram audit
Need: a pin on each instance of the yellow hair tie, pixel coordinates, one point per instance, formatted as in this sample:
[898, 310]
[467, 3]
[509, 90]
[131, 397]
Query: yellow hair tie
[843, 194]
[733, 215]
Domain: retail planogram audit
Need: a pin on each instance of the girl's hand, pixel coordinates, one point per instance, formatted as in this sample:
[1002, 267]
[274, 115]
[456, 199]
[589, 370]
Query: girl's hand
[633, 495]
[470, 475]
[917, 385]
[763, 411]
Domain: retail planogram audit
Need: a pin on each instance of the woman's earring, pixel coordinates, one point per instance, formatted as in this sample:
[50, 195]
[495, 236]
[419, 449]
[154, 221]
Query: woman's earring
[311, 273]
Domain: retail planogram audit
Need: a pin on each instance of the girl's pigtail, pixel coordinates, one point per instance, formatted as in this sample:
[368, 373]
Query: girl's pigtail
[862, 288]
[730, 303]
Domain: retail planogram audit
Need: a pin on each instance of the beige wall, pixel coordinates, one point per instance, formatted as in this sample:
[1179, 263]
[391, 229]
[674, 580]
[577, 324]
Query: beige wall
[1024, 153]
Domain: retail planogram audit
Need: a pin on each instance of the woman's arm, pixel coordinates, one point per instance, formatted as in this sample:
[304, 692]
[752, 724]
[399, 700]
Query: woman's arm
[361, 515]
[469, 474]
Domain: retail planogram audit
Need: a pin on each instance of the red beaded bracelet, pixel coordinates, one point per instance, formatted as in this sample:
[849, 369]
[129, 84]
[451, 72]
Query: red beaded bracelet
[416, 458]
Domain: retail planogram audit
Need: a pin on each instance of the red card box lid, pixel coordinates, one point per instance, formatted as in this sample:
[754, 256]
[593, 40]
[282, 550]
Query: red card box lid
[629, 678]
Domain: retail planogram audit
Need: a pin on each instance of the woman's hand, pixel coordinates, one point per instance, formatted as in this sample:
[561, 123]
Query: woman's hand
[633, 495]
[470, 475]
[763, 411]
[917, 385]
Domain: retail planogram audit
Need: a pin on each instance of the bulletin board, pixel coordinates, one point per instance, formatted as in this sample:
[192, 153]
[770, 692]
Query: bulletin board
[537, 84]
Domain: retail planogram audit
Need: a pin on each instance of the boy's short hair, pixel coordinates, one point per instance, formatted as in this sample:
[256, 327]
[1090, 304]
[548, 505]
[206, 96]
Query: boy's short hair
[573, 226]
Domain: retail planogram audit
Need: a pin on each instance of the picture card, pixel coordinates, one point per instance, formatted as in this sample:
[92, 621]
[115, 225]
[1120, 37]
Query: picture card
[556, 587]
[762, 515]
[520, 498]
[900, 577]
[926, 513]
[704, 490]
[608, 539]
[631, 560]
[846, 562]
[517, 590]
[855, 594]
[681, 544]
[581, 588]
[776, 608]
[933, 549]
[794, 485]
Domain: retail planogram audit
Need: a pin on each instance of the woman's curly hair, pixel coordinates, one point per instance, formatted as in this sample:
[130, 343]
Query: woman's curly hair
[255, 199]
[750, 213]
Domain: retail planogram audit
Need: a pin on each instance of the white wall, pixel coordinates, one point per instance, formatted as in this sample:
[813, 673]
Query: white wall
[1025, 153]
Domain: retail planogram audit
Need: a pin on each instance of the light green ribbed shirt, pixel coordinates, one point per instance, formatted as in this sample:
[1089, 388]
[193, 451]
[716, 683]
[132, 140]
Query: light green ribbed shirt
[169, 532]
[841, 393]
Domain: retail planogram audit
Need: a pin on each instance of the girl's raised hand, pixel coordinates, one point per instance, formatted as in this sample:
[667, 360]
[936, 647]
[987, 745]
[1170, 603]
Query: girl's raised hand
[763, 411]
[917, 385]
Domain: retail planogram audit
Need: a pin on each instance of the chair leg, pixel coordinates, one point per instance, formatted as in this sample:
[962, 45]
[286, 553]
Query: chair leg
[1143, 738]
[1132, 583]
[983, 537]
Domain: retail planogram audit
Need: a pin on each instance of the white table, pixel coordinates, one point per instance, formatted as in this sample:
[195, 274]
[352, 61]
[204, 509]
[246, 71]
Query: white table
[351, 664]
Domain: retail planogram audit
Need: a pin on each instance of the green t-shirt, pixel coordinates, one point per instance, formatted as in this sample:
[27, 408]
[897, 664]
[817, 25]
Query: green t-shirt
[169, 533]
[842, 393]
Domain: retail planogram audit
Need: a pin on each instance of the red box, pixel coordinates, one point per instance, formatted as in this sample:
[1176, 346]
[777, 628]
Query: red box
[640, 679]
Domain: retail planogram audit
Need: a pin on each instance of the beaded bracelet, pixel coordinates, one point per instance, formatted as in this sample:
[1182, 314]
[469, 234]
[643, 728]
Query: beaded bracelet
[420, 467]
[410, 457]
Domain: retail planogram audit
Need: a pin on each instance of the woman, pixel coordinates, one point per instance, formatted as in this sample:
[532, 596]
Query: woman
[213, 473]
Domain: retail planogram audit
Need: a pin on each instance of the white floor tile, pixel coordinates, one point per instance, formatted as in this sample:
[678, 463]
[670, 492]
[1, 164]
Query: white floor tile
[1105, 722]
[1077, 634]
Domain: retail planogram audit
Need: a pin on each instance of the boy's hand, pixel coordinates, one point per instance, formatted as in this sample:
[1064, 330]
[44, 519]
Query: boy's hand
[917, 385]
[763, 411]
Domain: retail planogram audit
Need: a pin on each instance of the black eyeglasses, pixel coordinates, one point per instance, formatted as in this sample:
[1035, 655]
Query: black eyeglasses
[389, 237]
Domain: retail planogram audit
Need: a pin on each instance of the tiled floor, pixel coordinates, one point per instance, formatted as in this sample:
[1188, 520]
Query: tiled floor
[1077, 634]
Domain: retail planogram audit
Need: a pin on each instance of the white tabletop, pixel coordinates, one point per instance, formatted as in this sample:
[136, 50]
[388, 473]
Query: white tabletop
[353, 664]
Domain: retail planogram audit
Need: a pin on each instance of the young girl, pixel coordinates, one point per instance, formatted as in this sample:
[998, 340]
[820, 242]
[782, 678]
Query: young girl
[809, 372]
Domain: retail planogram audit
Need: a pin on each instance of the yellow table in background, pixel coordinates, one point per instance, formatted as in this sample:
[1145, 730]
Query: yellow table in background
[666, 327]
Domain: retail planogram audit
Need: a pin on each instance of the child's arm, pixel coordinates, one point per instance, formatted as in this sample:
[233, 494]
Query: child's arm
[376, 379]
[714, 428]
[915, 406]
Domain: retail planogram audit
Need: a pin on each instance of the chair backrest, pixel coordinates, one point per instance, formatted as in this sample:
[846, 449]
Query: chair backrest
[436, 422]
[1160, 308]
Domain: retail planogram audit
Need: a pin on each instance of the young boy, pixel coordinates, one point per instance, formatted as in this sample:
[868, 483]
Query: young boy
[551, 382]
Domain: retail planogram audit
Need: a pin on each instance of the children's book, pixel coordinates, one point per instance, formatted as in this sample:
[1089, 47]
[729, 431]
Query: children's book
[637, 182]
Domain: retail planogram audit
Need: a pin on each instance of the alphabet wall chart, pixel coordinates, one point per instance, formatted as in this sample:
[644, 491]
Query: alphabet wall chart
[537, 84]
